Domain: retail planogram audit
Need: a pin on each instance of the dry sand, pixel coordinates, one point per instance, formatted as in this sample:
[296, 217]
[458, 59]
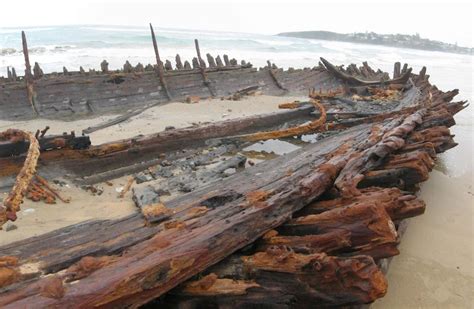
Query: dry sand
[36, 218]
[435, 267]
[158, 118]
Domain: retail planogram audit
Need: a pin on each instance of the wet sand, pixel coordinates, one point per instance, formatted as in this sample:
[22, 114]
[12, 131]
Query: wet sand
[435, 267]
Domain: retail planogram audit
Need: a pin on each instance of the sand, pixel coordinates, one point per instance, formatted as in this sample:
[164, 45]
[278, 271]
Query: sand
[156, 119]
[435, 267]
[36, 218]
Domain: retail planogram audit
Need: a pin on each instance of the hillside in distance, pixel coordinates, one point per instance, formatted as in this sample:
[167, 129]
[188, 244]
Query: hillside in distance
[394, 40]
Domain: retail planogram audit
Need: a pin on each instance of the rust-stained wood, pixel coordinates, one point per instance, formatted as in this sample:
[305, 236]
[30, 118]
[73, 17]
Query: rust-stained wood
[397, 204]
[284, 279]
[159, 64]
[11, 204]
[193, 246]
[311, 127]
[371, 230]
[316, 228]
[28, 76]
[203, 227]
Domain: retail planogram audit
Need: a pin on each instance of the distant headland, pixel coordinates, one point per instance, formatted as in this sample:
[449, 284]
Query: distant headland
[394, 40]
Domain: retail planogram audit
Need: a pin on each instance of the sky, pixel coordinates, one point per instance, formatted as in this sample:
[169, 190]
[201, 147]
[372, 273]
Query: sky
[448, 21]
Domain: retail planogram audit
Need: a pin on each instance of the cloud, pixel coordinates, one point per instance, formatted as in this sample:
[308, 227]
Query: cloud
[442, 20]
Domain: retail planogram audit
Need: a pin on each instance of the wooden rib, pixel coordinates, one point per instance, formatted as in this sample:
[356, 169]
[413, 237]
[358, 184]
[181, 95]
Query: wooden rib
[159, 64]
[28, 77]
[274, 77]
[12, 202]
[202, 69]
[355, 81]
[294, 131]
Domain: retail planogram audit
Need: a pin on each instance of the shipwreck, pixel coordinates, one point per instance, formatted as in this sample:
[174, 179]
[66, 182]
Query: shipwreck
[315, 227]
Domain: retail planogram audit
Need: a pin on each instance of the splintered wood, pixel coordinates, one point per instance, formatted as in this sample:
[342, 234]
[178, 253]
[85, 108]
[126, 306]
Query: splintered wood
[40, 189]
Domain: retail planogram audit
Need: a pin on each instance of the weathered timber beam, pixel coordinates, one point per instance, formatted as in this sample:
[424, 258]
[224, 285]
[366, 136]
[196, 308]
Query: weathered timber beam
[282, 279]
[330, 242]
[159, 64]
[202, 69]
[440, 138]
[352, 173]
[397, 204]
[117, 154]
[294, 131]
[371, 230]
[14, 147]
[355, 81]
[275, 78]
[396, 70]
[402, 170]
[28, 76]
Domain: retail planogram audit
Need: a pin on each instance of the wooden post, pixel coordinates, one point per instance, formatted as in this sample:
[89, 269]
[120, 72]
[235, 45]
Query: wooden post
[159, 64]
[198, 51]
[422, 73]
[405, 68]
[396, 70]
[28, 77]
[179, 64]
[274, 77]
[202, 67]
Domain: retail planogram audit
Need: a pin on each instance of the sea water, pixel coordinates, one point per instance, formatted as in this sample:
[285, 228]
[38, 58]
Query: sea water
[87, 45]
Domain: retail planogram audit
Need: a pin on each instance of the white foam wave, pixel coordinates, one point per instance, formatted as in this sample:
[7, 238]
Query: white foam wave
[113, 29]
[29, 29]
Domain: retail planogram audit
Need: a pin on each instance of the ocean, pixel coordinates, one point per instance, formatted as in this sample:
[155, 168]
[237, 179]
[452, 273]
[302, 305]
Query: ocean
[87, 45]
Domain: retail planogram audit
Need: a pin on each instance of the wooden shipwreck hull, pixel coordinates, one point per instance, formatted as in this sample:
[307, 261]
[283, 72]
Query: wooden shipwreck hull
[71, 95]
[309, 228]
[82, 94]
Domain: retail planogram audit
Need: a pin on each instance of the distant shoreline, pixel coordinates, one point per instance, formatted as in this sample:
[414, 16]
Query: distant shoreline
[392, 40]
